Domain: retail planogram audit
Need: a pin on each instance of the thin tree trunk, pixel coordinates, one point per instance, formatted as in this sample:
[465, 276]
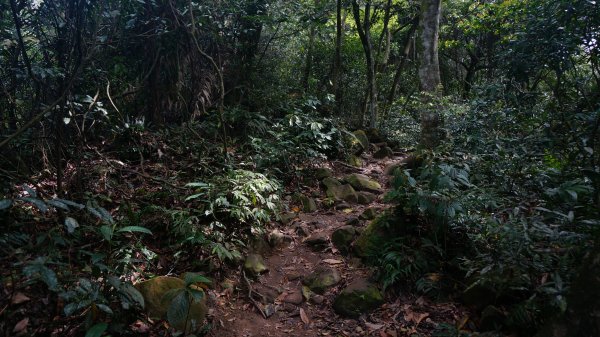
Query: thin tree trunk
[407, 47]
[337, 60]
[429, 72]
[309, 56]
[364, 32]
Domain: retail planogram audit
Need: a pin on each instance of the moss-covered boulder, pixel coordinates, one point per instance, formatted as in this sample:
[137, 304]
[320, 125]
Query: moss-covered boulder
[355, 161]
[308, 204]
[360, 142]
[365, 198]
[342, 192]
[361, 182]
[342, 238]
[287, 217]
[371, 237]
[330, 182]
[255, 265]
[358, 298]
[317, 241]
[369, 214]
[322, 279]
[383, 152]
[157, 304]
[322, 173]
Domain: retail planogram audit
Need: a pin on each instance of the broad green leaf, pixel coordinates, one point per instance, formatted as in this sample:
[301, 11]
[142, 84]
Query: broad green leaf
[107, 232]
[71, 224]
[70, 203]
[179, 308]
[191, 278]
[39, 204]
[96, 330]
[57, 204]
[136, 229]
[105, 308]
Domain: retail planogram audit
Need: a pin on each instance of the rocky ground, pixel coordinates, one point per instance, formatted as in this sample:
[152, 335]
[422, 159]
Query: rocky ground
[304, 279]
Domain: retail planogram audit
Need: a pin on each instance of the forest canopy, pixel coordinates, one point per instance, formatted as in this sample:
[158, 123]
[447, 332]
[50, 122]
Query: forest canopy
[147, 139]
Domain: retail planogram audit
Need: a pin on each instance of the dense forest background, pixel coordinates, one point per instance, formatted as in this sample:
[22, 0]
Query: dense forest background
[133, 128]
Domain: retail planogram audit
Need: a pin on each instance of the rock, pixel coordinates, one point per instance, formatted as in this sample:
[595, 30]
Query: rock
[308, 204]
[322, 279]
[288, 307]
[365, 198]
[369, 214]
[342, 238]
[317, 299]
[384, 152]
[360, 143]
[371, 237]
[259, 245]
[358, 298]
[255, 264]
[286, 218]
[342, 192]
[157, 304]
[294, 297]
[293, 275]
[355, 161]
[361, 182]
[302, 230]
[322, 173]
[276, 238]
[330, 182]
[317, 241]
[492, 318]
[353, 221]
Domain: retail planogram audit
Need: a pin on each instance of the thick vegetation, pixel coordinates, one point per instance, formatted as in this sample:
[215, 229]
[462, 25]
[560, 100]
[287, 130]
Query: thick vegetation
[154, 137]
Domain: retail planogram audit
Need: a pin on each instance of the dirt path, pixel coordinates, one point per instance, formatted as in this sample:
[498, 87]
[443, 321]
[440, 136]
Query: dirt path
[290, 314]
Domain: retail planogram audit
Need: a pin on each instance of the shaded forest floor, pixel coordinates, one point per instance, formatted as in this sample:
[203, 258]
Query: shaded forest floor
[291, 309]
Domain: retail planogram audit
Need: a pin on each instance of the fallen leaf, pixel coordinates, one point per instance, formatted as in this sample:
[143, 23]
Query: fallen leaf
[19, 298]
[21, 325]
[332, 261]
[383, 334]
[304, 317]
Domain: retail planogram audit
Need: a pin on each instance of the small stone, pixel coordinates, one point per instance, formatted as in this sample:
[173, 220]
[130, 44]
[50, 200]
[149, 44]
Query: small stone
[302, 230]
[365, 198]
[353, 221]
[294, 298]
[288, 307]
[317, 299]
[322, 279]
[323, 172]
[369, 214]
[358, 298]
[276, 238]
[293, 275]
[286, 218]
[255, 264]
[317, 241]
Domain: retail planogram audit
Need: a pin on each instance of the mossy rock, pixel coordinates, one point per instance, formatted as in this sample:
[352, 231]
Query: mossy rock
[255, 265]
[355, 161]
[371, 237]
[342, 192]
[157, 304]
[342, 238]
[322, 173]
[308, 204]
[365, 198]
[361, 182]
[384, 152]
[358, 298]
[330, 182]
[369, 214]
[360, 143]
[286, 218]
[322, 279]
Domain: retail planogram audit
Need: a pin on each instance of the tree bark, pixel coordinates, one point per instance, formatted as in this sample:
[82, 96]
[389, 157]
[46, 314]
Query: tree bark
[309, 57]
[337, 60]
[364, 32]
[429, 72]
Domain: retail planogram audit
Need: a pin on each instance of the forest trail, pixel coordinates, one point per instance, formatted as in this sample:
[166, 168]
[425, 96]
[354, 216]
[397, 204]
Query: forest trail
[305, 247]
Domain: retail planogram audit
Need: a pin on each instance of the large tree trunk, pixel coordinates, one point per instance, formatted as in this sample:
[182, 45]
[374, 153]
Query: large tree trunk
[364, 32]
[429, 72]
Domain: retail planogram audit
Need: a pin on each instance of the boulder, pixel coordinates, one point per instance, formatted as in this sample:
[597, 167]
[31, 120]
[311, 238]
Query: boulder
[295, 297]
[369, 214]
[361, 182]
[358, 298]
[322, 279]
[342, 238]
[365, 198]
[355, 161]
[157, 304]
[371, 237]
[255, 264]
[360, 143]
[383, 152]
[317, 241]
[343, 192]
[286, 218]
[330, 182]
[353, 221]
[308, 204]
[259, 245]
[322, 173]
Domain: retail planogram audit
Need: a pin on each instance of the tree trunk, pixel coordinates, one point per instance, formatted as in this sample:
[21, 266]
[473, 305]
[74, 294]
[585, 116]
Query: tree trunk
[429, 72]
[400, 67]
[309, 56]
[364, 32]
